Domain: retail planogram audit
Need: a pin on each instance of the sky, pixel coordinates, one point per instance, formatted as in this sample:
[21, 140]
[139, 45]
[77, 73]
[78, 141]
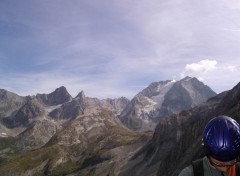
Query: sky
[115, 48]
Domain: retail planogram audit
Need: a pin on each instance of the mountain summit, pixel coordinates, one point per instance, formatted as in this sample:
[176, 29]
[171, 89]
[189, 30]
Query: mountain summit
[160, 99]
[59, 96]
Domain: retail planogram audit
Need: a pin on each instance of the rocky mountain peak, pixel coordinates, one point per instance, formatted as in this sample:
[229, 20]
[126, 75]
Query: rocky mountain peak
[190, 80]
[3, 94]
[123, 99]
[197, 91]
[187, 78]
[9, 102]
[81, 95]
[59, 91]
[59, 96]
[6, 95]
[155, 88]
[161, 99]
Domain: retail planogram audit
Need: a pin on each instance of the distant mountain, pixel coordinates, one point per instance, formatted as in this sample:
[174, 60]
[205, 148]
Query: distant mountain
[177, 138]
[59, 96]
[115, 106]
[161, 99]
[35, 119]
[24, 115]
[83, 105]
[9, 102]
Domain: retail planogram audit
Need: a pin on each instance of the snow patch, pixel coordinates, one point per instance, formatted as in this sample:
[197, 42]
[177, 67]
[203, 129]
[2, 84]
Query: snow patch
[163, 89]
[156, 101]
[3, 134]
[51, 108]
[149, 107]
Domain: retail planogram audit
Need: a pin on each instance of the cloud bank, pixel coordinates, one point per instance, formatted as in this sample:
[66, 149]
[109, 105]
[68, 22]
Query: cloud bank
[202, 66]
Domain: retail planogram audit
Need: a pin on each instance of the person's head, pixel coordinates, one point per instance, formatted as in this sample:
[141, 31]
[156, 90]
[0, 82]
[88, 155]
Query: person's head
[221, 141]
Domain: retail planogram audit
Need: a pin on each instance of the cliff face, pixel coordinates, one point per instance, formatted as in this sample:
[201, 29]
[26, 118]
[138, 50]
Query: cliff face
[177, 139]
[25, 115]
[9, 102]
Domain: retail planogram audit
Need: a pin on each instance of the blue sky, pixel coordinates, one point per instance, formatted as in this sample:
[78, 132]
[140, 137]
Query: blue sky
[113, 48]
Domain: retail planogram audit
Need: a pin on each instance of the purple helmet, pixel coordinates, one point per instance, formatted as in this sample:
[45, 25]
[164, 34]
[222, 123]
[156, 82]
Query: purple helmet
[221, 138]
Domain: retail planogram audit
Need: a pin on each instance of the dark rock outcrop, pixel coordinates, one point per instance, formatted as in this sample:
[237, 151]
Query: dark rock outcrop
[59, 96]
[25, 115]
[68, 111]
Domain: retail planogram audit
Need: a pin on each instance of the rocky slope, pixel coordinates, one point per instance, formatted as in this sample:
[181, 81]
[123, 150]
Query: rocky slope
[177, 139]
[9, 102]
[161, 99]
[38, 118]
[25, 115]
[82, 105]
[92, 144]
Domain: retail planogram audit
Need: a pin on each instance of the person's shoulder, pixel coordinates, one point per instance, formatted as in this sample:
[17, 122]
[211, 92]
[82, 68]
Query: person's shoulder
[188, 171]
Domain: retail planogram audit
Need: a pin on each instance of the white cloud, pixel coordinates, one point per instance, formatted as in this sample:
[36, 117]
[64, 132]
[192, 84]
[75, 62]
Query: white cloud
[220, 75]
[232, 68]
[202, 66]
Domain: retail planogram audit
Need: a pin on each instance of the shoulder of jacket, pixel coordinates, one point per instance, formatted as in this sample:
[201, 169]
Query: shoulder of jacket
[187, 171]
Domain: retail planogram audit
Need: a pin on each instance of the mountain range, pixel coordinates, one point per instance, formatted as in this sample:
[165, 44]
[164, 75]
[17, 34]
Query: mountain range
[177, 139]
[56, 134]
